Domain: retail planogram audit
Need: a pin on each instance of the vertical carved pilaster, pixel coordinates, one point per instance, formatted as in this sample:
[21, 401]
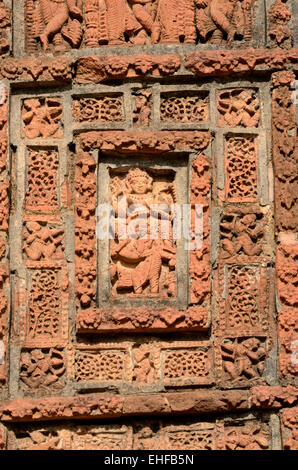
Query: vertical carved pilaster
[285, 159]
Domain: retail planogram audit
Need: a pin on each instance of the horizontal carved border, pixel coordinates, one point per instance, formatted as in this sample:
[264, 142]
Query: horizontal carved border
[96, 69]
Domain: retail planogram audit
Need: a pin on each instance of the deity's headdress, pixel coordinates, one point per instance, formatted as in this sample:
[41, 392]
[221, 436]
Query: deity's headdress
[134, 173]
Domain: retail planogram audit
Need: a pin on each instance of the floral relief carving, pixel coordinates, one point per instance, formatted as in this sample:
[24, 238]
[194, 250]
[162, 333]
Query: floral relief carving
[289, 429]
[42, 241]
[105, 365]
[85, 240]
[2, 437]
[287, 275]
[242, 234]
[238, 108]
[5, 23]
[192, 365]
[199, 267]
[162, 141]
[4, 226]
[42, 370]
[193, 437]
[42, 185]
[108, 437]
[284, 132]
[288, 338]
[141, 318]
[104, 109]
[53, 24]
[244, 307]
[4, 205]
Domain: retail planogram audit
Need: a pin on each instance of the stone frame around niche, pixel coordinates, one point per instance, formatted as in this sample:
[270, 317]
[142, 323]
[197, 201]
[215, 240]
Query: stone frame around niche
[185, 314]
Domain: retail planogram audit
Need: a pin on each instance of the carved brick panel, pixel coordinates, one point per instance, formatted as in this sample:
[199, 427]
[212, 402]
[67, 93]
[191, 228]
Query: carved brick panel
[285, 163]
[247, 436]
[42, 118]
[184, 107]
[220, 433]
[42, 371]
[242, 360]
[245, 235]
[42, 187]
[4, 221]
[45, 321]
[140, 268]
[142, 107]
[246, 297]
[289, 429]
[176, 364]
[145, 103]
[285, 152]
[5, 27]
[279, 18]
[238, 108]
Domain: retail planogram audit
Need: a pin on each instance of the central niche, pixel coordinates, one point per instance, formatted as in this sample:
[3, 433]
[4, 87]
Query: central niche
[143, 250]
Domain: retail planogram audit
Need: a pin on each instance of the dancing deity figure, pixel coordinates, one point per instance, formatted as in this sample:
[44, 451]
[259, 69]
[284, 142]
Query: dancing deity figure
[54, 19]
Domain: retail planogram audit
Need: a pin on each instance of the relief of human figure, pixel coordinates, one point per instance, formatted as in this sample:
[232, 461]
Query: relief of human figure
[145, 13]
[131, 21]
[136, 261]
[54, 20]
[221, 19]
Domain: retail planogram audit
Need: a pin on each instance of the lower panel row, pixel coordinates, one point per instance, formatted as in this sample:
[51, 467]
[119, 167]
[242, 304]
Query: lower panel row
[249, 431]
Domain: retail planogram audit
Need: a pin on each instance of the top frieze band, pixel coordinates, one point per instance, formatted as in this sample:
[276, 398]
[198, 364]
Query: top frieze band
[59, 26]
